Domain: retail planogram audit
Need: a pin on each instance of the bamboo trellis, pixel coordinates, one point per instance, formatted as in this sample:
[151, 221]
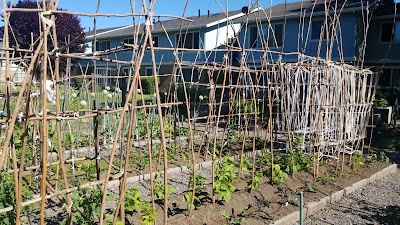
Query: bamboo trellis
[326, 103]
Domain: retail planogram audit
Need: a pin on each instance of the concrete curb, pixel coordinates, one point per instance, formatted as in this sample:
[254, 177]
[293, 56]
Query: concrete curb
[312, 207]
[199, 166]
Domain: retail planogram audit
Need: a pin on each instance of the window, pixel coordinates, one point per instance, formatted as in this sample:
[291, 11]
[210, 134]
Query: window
[390, 32]
[103, 45]
[396, 78]
[102, 73]
[317, 27]
[389, 77]
[149, 71]
[188, 40]
[384, 78]
[126, 72]
[19, 76]
[155, 41]
[128, 41]
[273, 39]
[188, 74]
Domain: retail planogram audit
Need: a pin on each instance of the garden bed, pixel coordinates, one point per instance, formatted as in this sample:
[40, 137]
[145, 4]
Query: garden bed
[263, 205]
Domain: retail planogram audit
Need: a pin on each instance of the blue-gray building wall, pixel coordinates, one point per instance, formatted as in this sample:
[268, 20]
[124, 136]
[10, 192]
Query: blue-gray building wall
[296, 40]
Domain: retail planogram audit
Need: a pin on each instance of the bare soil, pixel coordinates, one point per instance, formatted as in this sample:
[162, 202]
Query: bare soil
[268, 202]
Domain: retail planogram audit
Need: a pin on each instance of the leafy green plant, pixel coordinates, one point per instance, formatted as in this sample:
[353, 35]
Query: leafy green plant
[293, 200]
[7, 198]
[265, 162]
[88, 167]
[196, 201]
[328, 177]
[132, 200]
[148, 214]
[380, 103]
[86, 206]
[279, 175]
[345, 174]
[200, 182]
[383, 157]
[69, 139]
[372, 157]
[256, 181]
[233, 219]
[225, 175]
[133, 203]
[246, 164]
[310, 188]
[159, 190]
[356, 161]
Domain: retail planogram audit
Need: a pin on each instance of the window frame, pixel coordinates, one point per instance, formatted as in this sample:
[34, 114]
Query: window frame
[128, 41]
[156, 43]
[393, 38]
[183, 40]
[266, 28]
[99, 44]
[320, 30]
[147, 69]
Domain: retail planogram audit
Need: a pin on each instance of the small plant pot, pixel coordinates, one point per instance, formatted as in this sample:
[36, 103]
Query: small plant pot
[385, 114]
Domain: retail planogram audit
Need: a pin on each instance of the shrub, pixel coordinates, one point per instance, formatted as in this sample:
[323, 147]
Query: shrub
[147, 84]
[193, 92]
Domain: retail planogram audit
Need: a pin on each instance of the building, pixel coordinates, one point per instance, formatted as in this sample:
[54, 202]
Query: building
[360, 33]
[382, 52]
[17, 70]
[190, 42]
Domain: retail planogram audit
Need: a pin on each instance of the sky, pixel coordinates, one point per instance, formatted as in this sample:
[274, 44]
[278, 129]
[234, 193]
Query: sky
[170, 7]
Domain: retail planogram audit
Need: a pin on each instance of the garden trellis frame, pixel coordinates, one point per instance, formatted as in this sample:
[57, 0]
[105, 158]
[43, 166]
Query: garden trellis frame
[324, 104]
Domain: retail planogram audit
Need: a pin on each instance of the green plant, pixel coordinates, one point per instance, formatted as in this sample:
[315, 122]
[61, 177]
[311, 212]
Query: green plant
[293, 200]
[256, 181]
[200, 182]
[233, 219]
[69, 139]
[225, 175]
[196, 200]
[383, 157]
[132, 200]
[148, 214]
[328, 177]
[278, 175]
[345, 174]
[310, 188]
[372, 157]
[147, 84]
[133, 203]
[245, 164]
[356, 161]
[380, 103]
[7, 198]
[88, 167]
[86, 206]
[159, 190]
[265, 162]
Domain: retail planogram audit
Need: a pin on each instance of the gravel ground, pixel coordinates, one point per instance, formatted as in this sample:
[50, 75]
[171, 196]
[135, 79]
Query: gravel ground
[376, 203]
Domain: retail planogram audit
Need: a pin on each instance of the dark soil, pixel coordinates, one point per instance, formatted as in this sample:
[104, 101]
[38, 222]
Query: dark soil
[268, 202]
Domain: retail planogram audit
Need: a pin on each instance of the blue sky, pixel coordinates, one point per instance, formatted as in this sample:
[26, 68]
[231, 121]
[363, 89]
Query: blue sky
[171, 7]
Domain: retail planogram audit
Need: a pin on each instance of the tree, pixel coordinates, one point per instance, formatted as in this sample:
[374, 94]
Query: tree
[24, 29]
